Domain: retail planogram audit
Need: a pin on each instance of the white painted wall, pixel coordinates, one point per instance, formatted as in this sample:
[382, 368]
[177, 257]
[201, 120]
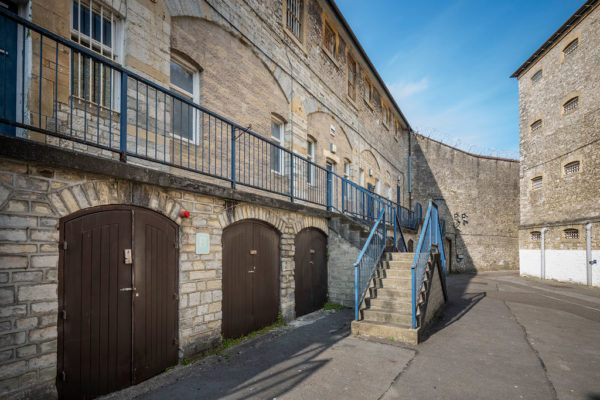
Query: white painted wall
[562, 265]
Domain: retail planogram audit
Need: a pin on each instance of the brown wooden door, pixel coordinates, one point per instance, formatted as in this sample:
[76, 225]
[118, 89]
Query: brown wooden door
[97, 304]
[311, 270]
[250, 277]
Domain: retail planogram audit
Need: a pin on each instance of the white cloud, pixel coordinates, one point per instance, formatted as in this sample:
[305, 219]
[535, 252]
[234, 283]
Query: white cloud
[402, 90]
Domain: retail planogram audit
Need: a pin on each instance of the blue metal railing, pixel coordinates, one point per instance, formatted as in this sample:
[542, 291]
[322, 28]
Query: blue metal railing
[68, 91]
[367, 261]
[431, 236]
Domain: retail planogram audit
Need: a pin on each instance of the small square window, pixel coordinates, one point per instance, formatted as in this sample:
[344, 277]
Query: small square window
[571, 105]
[571, 234]
[571, 47]
[537, 76]
[536, 183]
[293, 18]
[536, 125]
[536, 235]
[572, 168]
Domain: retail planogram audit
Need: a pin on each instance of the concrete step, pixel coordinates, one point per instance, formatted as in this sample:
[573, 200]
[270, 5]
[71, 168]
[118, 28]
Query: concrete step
[387, 331]
[398, 256]
[392, 294]
[396, 305]
[375, 314]
[404, 264]
[394, 273]
[393, 283]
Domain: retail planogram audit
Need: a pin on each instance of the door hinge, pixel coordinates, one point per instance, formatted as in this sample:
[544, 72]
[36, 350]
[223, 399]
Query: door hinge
[63, 376]
[175, 296]
[63, 314]
[175, 342]
[176, 245]
[64, 245]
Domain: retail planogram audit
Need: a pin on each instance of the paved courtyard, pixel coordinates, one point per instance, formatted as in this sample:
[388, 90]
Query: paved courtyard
[500, 337]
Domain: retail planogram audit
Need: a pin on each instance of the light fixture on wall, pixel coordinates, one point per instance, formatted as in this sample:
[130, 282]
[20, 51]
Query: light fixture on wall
[333, 148]
[370, 172]
[332, 130]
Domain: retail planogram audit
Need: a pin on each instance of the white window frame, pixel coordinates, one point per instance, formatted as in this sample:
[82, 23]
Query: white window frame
[114, 52]
[310, 155]
[280, 141]
[195, 97]
[347, 169]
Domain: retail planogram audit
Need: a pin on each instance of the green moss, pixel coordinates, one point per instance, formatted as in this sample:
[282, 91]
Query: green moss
[333, 306]
[227, 343]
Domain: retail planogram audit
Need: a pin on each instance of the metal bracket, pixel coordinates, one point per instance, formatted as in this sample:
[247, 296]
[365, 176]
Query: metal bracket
[127, 256]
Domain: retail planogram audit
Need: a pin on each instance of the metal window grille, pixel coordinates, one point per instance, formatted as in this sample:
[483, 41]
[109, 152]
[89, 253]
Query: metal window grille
[536, 125]
[571, 104]
[571, 47]
[536, 183]
[571, 234]
[572, 167]
[352, 78]
[93, 26]
[294, 17]
[537, 76]
[536, 235]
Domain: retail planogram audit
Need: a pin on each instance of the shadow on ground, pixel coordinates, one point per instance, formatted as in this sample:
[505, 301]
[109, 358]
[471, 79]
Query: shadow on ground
[262, 368]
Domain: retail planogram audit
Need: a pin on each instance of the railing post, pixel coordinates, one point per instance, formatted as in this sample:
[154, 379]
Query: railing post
[394, 225]
[413, 294]
[123, 120]
[232, 157]
[292, 175]
[356, 305]
[329, 191]
[343, 196]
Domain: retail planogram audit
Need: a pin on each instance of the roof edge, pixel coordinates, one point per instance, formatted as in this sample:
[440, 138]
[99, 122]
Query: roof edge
[362, 51]
[581, 13]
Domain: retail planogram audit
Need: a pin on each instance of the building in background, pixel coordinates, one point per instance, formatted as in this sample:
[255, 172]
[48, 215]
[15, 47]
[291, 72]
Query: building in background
[559, 125]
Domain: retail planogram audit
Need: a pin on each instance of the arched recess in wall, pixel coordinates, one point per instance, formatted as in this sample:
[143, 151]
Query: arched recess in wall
[236, 81]
[371, 168]
[327, 131]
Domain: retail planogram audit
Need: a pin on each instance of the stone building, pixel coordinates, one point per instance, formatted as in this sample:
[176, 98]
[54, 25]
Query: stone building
[205, 135]
[559, 125]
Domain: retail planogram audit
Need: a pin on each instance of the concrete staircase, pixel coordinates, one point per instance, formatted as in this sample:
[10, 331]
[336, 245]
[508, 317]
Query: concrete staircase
[386, 310]
[352, 232]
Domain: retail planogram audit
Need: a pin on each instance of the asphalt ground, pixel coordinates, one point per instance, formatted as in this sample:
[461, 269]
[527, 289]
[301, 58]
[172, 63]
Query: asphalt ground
[499, 337]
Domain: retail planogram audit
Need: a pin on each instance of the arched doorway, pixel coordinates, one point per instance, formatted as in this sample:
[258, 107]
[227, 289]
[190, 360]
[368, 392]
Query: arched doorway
[311, 270]
[118, 299]
[250, 277]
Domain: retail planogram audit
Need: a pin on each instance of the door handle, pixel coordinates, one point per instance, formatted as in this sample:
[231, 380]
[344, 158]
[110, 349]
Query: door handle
[130, 289]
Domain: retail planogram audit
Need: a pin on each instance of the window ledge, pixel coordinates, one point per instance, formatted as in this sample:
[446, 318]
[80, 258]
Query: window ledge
[368, 104]
[294, 39]
[330, 56]
[352, 101]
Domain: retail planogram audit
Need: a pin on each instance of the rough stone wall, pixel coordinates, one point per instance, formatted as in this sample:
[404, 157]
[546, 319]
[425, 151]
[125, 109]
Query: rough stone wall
[564, 201]
[478, 199]
[341, 257]
[32, 200]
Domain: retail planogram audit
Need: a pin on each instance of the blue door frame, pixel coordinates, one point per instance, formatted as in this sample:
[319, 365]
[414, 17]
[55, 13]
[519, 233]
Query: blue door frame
[8, 69]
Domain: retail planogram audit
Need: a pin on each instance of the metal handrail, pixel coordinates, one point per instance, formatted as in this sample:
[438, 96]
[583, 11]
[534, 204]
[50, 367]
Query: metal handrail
[368, 259]
[234, 140]
[431, 236]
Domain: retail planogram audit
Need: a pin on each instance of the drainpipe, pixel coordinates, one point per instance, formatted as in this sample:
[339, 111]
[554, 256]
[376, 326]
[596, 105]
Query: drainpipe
[543, 240]
[410, 132]
[588, 252]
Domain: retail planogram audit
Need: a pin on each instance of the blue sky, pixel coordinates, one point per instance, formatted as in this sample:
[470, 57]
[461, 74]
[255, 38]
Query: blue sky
[448, 63]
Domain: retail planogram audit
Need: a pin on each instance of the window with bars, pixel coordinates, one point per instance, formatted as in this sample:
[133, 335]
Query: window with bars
[536, 235]
[368, 90]
[536, 125]
[571, 105]
[537, 76]
[571, 47]
[352, 70]
[293, 17]
[94, 26]
[572, 168]
[571, 234]
[329, 39]
[536, 183]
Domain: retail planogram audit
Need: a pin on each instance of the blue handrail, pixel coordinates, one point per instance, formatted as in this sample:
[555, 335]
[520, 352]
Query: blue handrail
[431, 235]
[368, 259]
[161, 126]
